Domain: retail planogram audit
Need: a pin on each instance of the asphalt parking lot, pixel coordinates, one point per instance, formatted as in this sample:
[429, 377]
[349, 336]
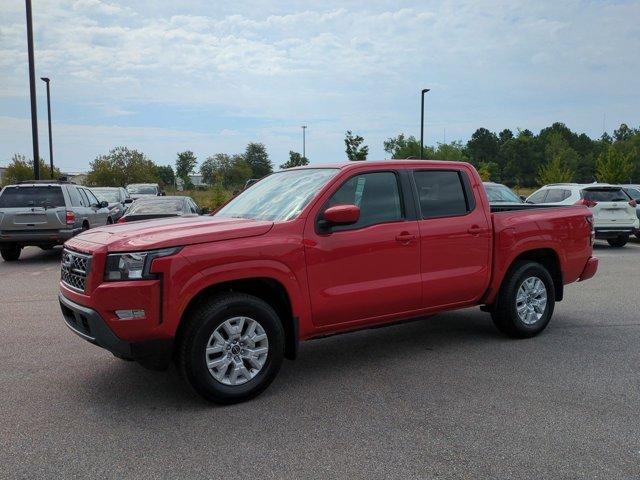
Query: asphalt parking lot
[446, 397]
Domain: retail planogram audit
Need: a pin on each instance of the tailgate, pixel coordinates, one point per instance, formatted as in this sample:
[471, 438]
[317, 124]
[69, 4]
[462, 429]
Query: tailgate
[611, 206]
[32, 219]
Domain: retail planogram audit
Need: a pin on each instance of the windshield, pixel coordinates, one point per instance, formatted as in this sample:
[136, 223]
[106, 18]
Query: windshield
[280, 196]
[45, 196]
[143, 189]
[110, 196]
[166, 205]
[501, 194]
[605, 195]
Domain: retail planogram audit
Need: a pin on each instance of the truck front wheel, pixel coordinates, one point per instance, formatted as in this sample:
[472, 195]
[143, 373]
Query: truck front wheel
[231, 348]
[525, 302]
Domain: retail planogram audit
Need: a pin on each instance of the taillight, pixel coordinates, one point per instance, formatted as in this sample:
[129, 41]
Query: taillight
[71, 217]
[586, 203]
[633, 203]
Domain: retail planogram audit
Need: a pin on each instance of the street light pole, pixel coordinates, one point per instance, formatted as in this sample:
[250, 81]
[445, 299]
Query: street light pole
[32, 90]
[424, 90]
[47, 80]
[304, 141]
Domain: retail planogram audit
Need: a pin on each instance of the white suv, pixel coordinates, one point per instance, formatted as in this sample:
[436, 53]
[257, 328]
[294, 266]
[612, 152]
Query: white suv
[614, 212]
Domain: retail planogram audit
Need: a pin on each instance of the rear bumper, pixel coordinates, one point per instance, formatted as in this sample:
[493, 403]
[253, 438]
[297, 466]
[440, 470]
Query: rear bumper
[34, 237]
[589, 269]
[613, 232]
[89, 325]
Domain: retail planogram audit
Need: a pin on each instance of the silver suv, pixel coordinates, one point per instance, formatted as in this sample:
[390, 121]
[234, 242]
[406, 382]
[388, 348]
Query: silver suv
[45, 214]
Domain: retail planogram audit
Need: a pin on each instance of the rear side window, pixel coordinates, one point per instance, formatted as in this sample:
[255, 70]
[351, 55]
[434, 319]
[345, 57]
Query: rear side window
[538, 197]
[605, 195]
[441, 193]
[48, 197]
[557, 195]
[376, 194]
[75, 196]
[83, 198]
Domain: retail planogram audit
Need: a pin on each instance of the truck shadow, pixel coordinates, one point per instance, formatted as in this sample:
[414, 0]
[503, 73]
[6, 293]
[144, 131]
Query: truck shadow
[126, 386]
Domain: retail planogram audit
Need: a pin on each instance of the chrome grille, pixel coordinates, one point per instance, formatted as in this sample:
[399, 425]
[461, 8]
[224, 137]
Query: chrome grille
[75, 269]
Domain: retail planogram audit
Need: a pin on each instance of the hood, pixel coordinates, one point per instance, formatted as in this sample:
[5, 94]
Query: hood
[171, 232]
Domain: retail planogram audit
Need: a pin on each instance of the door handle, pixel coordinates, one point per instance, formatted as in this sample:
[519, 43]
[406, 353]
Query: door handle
[475, 230]
[405, 237]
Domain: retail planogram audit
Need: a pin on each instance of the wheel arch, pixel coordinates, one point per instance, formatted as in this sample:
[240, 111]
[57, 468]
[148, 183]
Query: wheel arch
[268, 289]
[549, 259]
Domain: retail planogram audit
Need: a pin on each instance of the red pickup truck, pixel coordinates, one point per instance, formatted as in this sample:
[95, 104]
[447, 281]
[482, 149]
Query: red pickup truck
[314, 251]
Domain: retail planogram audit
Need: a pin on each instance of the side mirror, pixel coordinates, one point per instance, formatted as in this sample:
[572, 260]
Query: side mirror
[128, 200]
[523, 198]
[162, 194]
[204, 211]
[341, 215]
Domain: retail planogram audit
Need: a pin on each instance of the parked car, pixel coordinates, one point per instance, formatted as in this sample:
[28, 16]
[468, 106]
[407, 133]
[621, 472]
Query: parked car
[314, 251]
[634, 193]
[117, 198]
[501, 194]
[160, 207]
[614, 212]
[141, 190]
[45, 214]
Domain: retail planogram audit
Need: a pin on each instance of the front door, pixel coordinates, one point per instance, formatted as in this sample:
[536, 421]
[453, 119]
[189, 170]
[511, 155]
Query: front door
[368, 270]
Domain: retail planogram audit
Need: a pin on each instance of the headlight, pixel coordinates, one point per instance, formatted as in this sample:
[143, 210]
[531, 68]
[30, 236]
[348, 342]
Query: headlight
[134, 265]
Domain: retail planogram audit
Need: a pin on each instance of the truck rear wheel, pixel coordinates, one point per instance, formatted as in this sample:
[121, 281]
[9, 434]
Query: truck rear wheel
[618, 242]
[525, 302]
[232, 348]
[10, 252]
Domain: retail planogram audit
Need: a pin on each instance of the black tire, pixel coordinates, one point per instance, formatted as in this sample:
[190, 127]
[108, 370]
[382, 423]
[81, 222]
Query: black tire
[10, 252]
[203, 321]
[618, 242]
[505, 314]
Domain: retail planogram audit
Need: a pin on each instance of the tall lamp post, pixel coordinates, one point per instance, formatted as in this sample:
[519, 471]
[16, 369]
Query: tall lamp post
[47, 80]
[304, 141]
[32, 90]
[424, 90]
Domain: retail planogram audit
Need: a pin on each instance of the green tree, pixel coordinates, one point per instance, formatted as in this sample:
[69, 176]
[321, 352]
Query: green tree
[165, 175]
[405, 147]
[230, 171]
[20, 169]
[353, 149]
[121, 167]
[613, 166]
[489, 171]
[483, 146]
[185, 164]
[257, 158]
[555, 171]
[295, 160]
[451, 151]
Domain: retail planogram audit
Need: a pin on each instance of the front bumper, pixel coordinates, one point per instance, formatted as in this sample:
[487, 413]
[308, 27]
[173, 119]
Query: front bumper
[88, 324]
[35, 237]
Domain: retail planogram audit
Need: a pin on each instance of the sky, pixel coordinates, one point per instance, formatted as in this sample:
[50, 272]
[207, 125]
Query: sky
[167, 76]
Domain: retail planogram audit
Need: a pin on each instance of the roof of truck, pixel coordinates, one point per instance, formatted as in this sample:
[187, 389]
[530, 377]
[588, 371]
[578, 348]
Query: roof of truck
[381, 163]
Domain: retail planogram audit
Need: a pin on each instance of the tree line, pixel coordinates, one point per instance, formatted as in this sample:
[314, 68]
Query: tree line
[556, 154]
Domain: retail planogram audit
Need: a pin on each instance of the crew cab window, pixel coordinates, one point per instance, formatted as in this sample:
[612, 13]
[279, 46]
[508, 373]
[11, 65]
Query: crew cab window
[556, 195]
[538, 197]
[441, 193]
[376, 194]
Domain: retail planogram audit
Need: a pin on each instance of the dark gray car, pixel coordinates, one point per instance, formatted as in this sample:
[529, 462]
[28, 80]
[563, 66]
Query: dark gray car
[45, 214]
[117, 198]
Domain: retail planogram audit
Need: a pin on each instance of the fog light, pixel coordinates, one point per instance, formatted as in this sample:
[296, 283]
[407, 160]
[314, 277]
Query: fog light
[129, 314]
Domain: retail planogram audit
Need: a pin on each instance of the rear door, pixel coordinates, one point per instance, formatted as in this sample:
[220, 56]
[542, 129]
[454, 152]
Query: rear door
[455, 237]
[32, 207]
[612, 208]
